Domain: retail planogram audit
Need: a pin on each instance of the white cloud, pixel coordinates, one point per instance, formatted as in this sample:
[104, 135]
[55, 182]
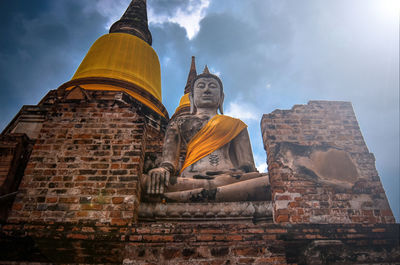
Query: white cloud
[262, 168]
[215, 72]
[241, 111]
[188, 18]
[112, 9]
[260, 162]
[166, 60]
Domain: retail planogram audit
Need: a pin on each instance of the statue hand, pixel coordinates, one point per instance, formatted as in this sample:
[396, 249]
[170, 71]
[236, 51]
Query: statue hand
[159, 180]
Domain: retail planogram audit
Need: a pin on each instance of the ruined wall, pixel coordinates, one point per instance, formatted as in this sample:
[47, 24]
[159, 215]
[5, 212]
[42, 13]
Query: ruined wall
[14, 154]
[6, 157]
[87, 161]
[320, 168]
[29, 119]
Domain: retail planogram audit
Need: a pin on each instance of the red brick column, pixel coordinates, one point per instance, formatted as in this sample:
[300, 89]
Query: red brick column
[86, 164]
[320, 168]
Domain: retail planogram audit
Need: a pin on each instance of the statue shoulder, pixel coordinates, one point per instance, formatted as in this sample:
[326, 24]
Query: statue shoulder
[223, 116]
[229, 119]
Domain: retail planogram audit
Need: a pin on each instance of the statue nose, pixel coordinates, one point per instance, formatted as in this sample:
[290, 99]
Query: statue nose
[207, 90]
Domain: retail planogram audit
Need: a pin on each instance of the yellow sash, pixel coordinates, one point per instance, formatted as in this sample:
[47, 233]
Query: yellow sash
[218, 131]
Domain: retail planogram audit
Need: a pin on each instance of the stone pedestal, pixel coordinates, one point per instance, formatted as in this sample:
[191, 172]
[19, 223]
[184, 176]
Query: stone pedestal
[206, 212]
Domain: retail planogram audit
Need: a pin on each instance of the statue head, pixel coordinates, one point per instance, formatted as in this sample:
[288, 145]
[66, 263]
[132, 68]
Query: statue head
[206, 92]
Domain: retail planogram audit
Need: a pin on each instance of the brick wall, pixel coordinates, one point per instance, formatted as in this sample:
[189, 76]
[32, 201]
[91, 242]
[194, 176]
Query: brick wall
[207, 243]
[87, 162]
[320, 168]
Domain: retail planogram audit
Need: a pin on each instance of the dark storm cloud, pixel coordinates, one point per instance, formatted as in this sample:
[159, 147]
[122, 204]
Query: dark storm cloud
[173, 49]
[236, 47]
[42, 45]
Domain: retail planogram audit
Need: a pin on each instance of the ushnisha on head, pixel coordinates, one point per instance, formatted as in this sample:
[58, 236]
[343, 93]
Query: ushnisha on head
[206, 92]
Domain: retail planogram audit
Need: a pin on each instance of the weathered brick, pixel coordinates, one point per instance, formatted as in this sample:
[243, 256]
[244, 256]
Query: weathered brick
[248, 251]
[51, 199]
[203, 237]
[77, 236]
[117, 200]
[135, 238]
[282, 218]
[119, 221]
[92, 207]
[158, 238]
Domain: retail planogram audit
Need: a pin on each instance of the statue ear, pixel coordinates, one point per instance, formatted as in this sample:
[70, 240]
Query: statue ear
[192, 106]
[221, 103]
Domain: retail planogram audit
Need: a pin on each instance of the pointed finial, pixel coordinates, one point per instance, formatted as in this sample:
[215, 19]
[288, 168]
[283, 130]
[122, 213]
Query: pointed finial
[134, 21]
[192, 74]
[193, 64]
[205, 71]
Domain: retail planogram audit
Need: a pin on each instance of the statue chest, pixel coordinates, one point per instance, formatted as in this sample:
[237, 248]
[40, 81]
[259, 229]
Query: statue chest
[189, 127]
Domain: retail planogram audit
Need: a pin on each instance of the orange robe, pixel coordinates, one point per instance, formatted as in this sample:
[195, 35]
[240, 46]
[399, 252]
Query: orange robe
[218, 131]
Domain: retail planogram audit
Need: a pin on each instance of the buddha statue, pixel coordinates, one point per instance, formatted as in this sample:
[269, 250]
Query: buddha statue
[219, 164]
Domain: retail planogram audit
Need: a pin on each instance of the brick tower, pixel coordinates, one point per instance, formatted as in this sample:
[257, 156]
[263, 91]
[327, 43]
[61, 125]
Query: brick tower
[85, 143]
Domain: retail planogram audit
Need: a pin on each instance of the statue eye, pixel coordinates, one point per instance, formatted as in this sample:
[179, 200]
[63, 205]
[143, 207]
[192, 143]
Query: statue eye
[201, 85]
[212, 85]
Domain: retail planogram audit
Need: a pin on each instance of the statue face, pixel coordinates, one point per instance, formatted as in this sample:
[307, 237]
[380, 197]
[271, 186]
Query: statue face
[206, 93]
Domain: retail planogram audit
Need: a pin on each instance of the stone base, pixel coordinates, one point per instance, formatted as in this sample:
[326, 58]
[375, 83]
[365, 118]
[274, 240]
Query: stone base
[206, 212]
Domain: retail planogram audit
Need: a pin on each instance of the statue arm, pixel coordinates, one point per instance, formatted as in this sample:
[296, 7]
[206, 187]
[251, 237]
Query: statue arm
[158, 178]
[242, 150]
[171, 148]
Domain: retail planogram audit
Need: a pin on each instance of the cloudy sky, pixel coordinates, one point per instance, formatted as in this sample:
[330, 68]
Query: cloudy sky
[270, 54]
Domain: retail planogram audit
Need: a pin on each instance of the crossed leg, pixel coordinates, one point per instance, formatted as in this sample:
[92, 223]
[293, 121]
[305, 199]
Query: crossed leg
[221, 188]
[250, 189]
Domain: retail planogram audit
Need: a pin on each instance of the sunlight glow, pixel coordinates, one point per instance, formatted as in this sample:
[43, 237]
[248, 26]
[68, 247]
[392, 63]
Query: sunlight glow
[388, 8]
